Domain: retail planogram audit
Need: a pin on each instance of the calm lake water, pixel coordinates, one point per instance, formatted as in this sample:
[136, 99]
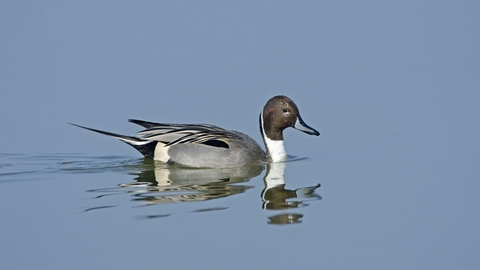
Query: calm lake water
[78, 211]
[391, 183]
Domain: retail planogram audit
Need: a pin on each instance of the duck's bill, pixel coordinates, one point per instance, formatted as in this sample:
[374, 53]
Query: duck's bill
[300, 125]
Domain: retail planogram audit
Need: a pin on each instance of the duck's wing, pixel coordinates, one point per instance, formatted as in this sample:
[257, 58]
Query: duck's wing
[172, 134]
[147, 124]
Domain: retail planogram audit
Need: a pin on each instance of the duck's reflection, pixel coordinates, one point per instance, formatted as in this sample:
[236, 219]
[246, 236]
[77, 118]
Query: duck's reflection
[159, 183]
[173, 184]
[283, 219]
[276, 197]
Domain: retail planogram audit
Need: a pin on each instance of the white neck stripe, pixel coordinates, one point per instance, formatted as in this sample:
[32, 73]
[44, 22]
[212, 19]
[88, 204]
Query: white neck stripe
[275, 149]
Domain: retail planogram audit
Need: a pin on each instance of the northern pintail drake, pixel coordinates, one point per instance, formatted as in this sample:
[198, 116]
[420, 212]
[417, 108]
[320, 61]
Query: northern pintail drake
[203, 145]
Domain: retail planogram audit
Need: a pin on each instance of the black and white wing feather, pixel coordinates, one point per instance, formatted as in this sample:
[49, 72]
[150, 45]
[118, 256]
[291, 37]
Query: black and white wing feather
[172, 134]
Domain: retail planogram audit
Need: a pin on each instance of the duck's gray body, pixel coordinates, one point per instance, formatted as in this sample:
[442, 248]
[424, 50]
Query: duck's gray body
[201, 145]
[242, 151]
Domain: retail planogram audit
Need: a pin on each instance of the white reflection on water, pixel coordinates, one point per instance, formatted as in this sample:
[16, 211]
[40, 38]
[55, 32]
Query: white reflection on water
[276, 197]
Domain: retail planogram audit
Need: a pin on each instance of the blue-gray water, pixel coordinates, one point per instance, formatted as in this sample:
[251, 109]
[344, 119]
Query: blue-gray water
[393, 89]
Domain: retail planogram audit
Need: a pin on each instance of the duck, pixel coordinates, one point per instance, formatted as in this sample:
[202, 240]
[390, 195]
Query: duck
[210, 146]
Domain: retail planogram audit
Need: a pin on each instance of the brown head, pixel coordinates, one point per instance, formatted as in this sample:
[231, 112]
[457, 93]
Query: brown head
[279, 113]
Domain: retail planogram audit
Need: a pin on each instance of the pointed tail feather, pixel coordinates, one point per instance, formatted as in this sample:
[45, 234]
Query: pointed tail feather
[147, 148]
[127, 139]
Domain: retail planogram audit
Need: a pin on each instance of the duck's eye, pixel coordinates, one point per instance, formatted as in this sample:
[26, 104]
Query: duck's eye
[285, 110]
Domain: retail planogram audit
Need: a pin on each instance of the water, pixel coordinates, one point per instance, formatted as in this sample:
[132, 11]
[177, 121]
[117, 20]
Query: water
[92, 202]
[122, 212]
[391, 183]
